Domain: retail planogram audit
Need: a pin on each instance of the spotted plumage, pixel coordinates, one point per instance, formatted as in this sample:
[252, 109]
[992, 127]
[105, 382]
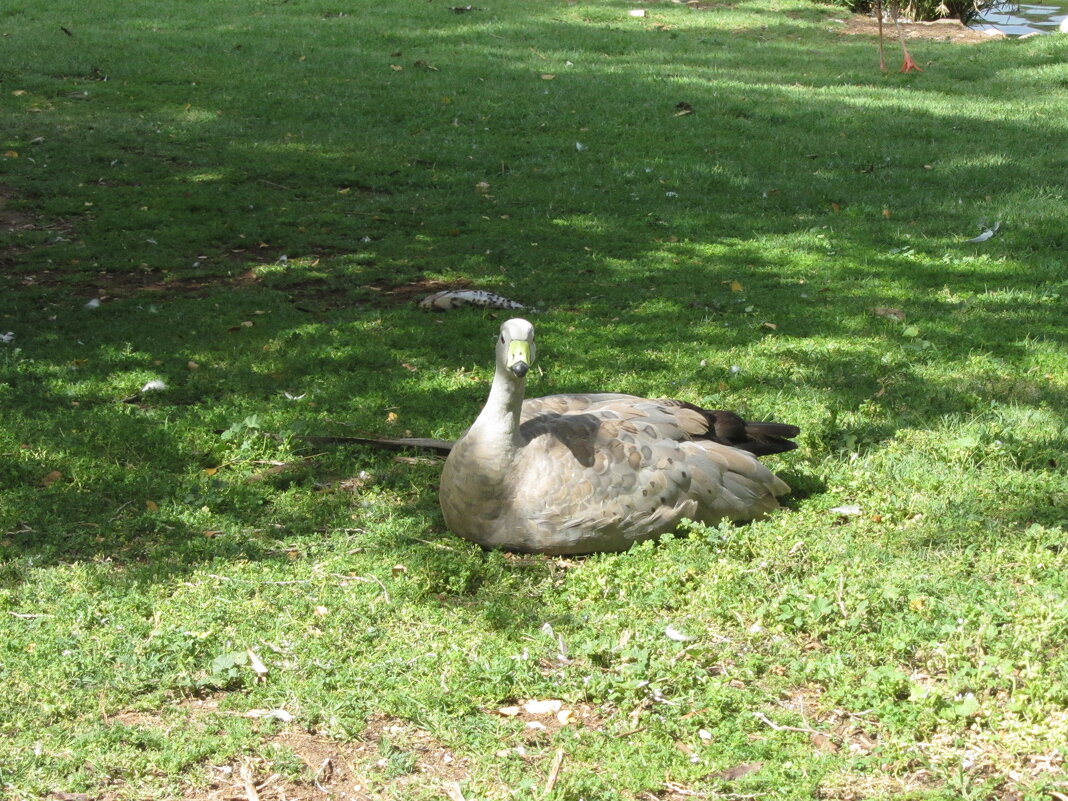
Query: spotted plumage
[458, 298]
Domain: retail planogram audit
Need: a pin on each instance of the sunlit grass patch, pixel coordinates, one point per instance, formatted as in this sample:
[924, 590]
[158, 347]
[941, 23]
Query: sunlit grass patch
[726, 204]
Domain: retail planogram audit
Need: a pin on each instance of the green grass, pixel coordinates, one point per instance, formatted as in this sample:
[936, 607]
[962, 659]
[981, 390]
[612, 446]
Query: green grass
[142, 554]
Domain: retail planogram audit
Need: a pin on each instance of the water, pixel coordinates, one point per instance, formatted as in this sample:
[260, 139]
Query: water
[1022, 19]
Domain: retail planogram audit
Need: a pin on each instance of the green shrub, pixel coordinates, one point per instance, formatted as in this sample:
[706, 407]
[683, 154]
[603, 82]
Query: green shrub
[926, 10]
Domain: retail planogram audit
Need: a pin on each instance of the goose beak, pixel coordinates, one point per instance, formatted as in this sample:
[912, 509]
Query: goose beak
[519, 357]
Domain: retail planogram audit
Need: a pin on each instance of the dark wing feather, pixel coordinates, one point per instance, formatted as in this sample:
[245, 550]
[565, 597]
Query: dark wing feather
[727, 428]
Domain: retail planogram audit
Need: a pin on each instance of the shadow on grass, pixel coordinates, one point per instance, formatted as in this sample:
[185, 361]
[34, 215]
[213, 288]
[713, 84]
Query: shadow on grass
[833, 176]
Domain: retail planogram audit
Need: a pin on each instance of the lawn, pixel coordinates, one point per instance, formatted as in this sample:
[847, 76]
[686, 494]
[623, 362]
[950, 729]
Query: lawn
[208, 592]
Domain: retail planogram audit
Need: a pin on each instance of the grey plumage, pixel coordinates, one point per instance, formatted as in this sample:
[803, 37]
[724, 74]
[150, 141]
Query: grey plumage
[568, 474]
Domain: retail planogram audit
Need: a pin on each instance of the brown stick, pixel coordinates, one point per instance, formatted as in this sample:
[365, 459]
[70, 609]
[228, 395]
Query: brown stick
[554, 772]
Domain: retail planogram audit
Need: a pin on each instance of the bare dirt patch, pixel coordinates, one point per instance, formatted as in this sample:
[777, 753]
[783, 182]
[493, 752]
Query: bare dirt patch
[944, 30]
[543, 719]
[388, 293]
[12, 220]
[391, 758]
[390, 761]
[189, 707]
[107, 285]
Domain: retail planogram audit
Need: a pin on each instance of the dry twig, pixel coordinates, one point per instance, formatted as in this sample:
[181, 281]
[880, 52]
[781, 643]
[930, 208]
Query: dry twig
[554, 772]
[778, 727]
[245, 774]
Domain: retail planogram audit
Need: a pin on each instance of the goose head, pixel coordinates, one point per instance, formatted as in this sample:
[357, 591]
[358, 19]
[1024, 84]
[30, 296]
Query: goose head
[515, 347]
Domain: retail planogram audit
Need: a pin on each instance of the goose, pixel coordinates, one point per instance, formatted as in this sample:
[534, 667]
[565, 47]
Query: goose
[574, 474]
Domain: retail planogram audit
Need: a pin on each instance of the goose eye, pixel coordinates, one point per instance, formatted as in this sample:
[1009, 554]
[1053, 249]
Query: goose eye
[502, 339]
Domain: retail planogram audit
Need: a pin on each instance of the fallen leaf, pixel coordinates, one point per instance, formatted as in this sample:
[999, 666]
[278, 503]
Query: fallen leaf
[482, 187]
[210, 471]
[887, 214]
[396, 67]
[399, 570]
[152, 506]
[211, 533]
[192, 365]
[683, 108]
[744, 769]
[322, 611]
[835, 207]
[823, 743]
[50, 478]
[11, 154]
[547, 76]
[391, 417]
[736, 286]
[889, 312]
[772, 326]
